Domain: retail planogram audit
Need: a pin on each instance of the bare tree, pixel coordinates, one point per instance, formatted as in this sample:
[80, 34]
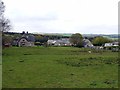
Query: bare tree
[4, 23]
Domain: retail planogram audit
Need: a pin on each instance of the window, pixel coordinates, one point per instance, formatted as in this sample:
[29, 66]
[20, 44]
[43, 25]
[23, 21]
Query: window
[23, 44]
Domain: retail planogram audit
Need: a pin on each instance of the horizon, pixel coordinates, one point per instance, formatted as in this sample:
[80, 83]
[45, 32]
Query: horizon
[65, 33]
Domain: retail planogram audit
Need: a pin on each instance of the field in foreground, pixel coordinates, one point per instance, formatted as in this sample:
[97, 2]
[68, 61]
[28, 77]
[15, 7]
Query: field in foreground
[58, 67]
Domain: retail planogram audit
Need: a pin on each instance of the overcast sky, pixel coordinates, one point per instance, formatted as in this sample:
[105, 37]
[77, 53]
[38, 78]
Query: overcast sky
[63, 16]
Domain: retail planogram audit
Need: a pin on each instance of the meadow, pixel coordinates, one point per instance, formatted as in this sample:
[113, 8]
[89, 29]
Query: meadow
[58, 67]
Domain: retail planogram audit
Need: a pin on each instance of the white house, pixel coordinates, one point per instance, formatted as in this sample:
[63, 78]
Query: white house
[111, 44]
[59, 42]
[51, 42]
[108, 44]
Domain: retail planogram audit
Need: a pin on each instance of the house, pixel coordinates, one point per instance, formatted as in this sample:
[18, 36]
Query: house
[25, 40]
[115, 43]
[108, 44]
[51, 42]
[59, 42]
[87, 43]
[111, 44]
[66, 42]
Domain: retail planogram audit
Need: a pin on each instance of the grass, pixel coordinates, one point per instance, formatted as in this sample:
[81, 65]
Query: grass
[59, 67]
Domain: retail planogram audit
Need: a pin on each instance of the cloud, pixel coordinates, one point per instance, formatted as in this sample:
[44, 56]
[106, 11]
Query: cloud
[85, 16]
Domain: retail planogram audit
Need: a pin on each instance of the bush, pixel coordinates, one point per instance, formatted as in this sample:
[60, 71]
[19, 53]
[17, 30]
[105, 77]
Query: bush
[38, 44]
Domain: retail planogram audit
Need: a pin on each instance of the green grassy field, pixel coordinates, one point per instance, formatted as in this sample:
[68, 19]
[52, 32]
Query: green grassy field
[59, 67]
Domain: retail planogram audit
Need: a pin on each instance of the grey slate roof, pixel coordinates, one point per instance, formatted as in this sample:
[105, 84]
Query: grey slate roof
[29, 38]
